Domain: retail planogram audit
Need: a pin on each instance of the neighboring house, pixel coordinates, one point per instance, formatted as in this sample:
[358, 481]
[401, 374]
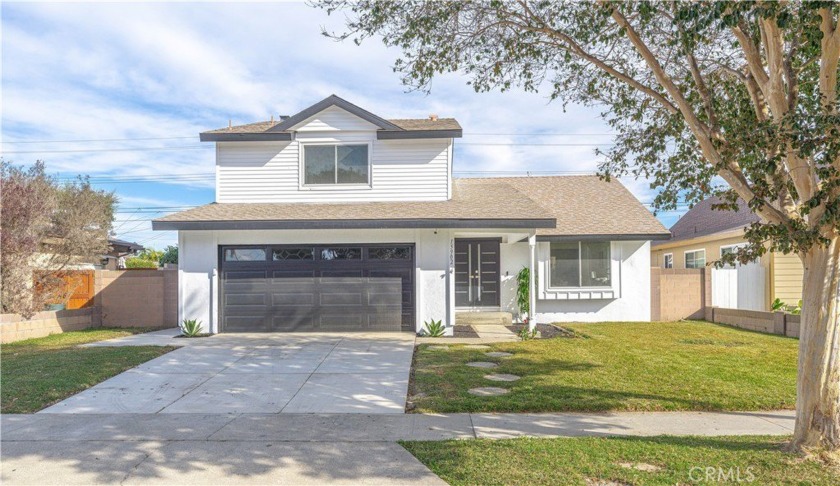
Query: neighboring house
[703, 235]
[117, 251]
[335, 219]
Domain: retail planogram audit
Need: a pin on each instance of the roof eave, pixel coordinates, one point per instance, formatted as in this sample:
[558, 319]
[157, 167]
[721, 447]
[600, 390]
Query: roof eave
[606, 236]
[159, 225]
[417, 134]
[245, 137]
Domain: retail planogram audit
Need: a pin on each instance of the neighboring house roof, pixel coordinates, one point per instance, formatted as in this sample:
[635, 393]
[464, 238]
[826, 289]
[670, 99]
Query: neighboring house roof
[702, 220]
[124, 246]
[388, 129]
[560, 207]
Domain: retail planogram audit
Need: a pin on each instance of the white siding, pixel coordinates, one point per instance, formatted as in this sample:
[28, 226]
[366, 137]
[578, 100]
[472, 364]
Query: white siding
[334, 119]
[401, 170]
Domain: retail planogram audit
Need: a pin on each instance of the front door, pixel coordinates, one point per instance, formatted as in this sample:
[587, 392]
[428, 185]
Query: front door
[477, 273]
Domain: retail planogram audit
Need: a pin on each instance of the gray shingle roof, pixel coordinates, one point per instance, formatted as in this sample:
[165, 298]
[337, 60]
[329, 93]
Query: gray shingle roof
[702, 220]
[581, 205]
[410, 124]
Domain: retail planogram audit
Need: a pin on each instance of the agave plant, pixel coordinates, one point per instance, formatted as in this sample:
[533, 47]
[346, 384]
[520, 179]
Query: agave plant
[434, 328]
[191, 327]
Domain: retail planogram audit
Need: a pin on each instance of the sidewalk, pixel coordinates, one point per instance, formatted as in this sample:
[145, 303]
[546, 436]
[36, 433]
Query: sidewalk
[300, 448]
[373, 428]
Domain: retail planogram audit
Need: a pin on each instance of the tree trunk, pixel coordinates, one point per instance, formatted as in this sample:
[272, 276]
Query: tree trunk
[818, 382]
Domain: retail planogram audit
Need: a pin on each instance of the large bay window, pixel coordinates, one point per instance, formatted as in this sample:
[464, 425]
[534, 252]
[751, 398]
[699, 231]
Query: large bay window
[580, 264]
[335, 164]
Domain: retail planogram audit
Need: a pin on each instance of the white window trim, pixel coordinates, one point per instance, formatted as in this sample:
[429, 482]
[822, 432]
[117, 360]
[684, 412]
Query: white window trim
[333, 187]
[672, 260]
[545, 293]
[736, 246]
[685, 258]
[551, 288]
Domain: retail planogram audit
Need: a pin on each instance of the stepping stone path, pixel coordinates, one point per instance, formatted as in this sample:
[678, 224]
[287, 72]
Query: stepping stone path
[487, 391]
[438, 348]
[482, 364]
[476, 346]
[498, 354]
[502, 377]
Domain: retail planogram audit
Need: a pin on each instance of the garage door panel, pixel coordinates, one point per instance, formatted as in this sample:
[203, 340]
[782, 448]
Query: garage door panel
[362, 294]
[296, 299]
[245, 299]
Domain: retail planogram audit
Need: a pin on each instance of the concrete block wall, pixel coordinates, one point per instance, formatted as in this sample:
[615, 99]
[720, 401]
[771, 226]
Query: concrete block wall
[137, 298]
[768, 322]
[678, 294]
[15, 328]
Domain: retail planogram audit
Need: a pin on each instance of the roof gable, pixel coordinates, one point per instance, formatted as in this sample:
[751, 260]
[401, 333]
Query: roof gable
[330, 101]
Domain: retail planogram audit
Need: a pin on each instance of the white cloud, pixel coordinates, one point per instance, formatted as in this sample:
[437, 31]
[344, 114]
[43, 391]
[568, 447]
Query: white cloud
[94, 71]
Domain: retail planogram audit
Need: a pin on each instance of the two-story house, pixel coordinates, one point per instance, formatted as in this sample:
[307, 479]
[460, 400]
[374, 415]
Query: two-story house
[335, 219]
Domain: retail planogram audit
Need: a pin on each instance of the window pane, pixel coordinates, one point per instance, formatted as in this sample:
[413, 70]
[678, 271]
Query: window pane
[319, 164]
[595, 264]
[390, 253]
[292, 254]
[352, 164]
[669, 261]
[695, 259]
[244, 254]
[341, 253]
[565, 265]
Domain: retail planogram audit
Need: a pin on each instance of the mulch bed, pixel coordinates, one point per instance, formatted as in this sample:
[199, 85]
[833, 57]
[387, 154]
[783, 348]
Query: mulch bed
[547, 331]
[465, 332]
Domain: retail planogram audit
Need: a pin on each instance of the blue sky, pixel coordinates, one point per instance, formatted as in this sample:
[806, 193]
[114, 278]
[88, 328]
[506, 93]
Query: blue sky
[120, 92]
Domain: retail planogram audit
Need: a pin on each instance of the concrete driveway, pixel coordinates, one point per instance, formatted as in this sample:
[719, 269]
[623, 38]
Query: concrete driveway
[258, 373]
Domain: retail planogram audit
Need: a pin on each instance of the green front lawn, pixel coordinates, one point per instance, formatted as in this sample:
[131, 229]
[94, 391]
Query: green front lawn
[617, 366]
[39, 372]
[620, 460]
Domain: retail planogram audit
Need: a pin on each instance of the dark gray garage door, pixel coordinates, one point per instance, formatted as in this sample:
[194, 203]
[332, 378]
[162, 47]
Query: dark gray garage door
[317, 288]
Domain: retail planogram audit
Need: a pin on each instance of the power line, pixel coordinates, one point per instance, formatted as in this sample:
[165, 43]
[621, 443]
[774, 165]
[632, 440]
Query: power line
[470, 134]
[132, 149]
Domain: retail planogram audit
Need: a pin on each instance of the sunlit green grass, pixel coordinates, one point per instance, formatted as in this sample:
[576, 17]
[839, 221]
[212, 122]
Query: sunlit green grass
[618, 366]
[39, 372]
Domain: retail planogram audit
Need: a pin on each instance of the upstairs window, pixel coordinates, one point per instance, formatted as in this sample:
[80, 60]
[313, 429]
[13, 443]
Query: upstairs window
[668, 261]
[335, 164]
[580, 264]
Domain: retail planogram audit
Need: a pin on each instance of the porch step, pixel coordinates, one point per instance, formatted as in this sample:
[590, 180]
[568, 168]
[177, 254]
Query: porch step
[483, 318]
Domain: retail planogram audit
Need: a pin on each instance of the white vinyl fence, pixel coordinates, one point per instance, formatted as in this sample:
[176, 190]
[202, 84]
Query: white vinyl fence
[739, 287]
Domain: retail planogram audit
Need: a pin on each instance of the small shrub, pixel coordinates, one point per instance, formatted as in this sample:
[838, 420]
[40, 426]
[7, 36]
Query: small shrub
[137, 262]
[523, 291]
[526, 334]
[191, 328]
[433, 328]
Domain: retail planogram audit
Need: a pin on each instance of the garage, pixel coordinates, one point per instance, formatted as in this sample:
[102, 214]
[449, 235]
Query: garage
[317, 288]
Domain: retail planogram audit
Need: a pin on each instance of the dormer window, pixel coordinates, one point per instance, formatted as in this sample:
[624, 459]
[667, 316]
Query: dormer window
[332, 164]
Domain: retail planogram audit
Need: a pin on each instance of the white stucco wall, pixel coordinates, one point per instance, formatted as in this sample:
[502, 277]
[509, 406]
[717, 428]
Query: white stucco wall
[198, 267]
[632, 268]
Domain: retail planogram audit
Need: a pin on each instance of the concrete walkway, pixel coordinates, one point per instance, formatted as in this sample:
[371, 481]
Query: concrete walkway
[300, 448]
[257, 373]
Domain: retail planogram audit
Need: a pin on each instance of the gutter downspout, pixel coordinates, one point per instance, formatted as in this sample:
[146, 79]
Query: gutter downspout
[532, 291]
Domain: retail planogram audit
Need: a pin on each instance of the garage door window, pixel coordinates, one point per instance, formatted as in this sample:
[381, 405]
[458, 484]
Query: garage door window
[341, 253]
[390, 253]
[245, 254]
[292, 254]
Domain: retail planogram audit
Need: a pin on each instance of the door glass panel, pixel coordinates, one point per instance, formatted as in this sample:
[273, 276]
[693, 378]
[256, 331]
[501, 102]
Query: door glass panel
[336, 253]
[352, 163]
[390, 253]
[244, 254]
[292, 254]
[319, 164]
